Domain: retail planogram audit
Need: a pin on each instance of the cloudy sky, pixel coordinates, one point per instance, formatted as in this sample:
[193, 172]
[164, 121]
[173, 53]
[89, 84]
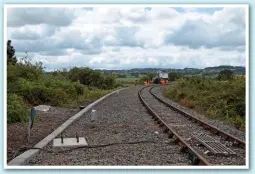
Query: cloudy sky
[129, 37]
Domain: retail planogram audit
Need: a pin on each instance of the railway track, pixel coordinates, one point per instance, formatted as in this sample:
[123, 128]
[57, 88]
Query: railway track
[205, 144]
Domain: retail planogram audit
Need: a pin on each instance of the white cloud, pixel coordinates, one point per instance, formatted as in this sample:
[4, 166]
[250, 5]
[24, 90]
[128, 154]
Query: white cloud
[129, 37]
[33, 16]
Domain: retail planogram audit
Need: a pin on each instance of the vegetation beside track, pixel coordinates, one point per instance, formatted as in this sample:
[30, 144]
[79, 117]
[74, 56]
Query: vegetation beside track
[29, 84]
[219, 99]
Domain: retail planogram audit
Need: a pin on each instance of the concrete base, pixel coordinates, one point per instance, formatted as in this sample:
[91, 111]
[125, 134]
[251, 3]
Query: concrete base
[44, 108]
[69, 142]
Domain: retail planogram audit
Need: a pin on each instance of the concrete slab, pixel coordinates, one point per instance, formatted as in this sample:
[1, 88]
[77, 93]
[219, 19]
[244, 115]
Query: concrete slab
[70, 142]
[44, 108]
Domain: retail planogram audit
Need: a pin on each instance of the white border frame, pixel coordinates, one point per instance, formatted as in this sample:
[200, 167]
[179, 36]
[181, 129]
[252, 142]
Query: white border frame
[246, 6]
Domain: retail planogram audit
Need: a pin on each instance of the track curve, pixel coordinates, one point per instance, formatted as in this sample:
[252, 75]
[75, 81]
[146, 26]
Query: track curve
[182, 127]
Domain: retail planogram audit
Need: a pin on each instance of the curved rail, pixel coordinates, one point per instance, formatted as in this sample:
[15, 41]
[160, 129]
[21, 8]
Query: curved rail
[197, 159]
[212, 128]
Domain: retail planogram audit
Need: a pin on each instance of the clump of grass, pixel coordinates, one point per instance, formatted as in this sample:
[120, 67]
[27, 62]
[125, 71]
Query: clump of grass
[222, 100]
[17, 111]
[186, 102]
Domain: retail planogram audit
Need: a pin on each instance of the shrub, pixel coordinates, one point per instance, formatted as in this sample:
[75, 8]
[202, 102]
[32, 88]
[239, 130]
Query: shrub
[181, 95]
[186, 103]
[79, 88]
[92, 78]
[16, 109]
[109, 82]
[172, 76]
[28, 83]
[57, 97]
[225, 75]
[224, 100]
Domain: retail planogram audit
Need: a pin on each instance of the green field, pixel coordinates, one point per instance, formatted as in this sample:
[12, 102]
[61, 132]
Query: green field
[128, 79]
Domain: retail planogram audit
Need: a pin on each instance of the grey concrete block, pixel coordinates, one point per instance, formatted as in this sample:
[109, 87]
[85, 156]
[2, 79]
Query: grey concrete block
[70, 142]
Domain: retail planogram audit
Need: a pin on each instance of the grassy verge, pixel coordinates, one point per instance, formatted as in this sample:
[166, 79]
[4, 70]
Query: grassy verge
[88, 96]
[222, 100]
[127, 82]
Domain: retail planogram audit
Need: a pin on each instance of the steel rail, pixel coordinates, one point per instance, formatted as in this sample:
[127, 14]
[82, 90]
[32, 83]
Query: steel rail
[212, 128]
[197, 159]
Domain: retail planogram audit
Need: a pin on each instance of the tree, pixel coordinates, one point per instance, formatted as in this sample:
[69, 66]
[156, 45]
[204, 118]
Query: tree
[11, 58]
[172, 76]
[150, 76]
[225, 75]
[109, 82]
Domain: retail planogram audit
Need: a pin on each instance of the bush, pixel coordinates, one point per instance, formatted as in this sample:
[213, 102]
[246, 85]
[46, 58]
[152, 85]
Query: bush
[172, 76]
[50, 91]
[28, 83]
[224, 100]
[91, 78]
[65, 85]
[79, 88]
[225, 75]
[16, 109]
[57, 97]
[109, 82]
[122, 76]
[186, 103]
[32, 92]
[146, 77]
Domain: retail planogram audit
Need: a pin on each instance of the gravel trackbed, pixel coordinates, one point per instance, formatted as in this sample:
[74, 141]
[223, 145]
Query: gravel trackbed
[121, 119]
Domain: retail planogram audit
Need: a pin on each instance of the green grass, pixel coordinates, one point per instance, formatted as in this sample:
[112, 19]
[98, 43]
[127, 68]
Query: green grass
[222, 100]
[128, 79]
[127, 82]
[88, 96]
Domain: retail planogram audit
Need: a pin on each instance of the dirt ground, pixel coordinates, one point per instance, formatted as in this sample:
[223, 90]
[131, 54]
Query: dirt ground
[44, 124]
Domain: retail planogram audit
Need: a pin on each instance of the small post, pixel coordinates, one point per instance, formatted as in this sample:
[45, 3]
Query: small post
[62, 139]
[77, 100]
[28, 131]
[93, 116]
[77, 95]
[77, 137]
[30, 123]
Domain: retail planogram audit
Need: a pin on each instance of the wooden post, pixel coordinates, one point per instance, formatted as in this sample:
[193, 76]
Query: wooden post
[32, 116]
[28, 131]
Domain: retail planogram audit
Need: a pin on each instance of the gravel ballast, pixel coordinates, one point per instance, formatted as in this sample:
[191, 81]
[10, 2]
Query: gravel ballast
[121, 119]
[226, 128]
[187, 128]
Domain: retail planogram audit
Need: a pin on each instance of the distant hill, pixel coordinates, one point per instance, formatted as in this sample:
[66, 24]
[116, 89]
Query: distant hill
[208, 71]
